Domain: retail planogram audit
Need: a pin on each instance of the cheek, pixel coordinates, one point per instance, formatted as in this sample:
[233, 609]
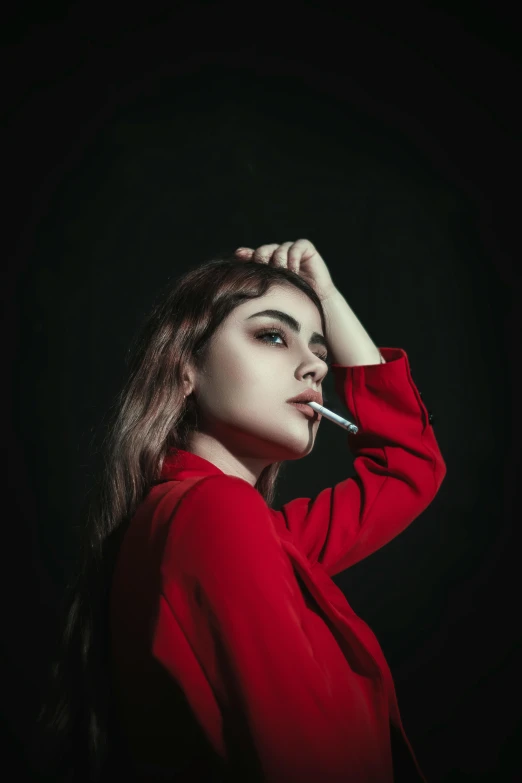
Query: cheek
[231, 379]
[242, 373]
[244, 366]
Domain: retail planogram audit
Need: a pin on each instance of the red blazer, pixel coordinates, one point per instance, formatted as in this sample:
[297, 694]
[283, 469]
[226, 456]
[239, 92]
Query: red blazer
[232, 648]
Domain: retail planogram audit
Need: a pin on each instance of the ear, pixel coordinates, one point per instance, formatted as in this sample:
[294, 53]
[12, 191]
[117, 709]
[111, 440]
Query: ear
[188, 387]
[189, 380]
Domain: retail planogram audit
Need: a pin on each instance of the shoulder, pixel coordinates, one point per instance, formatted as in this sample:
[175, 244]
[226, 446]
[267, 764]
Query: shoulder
[219, 517]
[220, 498]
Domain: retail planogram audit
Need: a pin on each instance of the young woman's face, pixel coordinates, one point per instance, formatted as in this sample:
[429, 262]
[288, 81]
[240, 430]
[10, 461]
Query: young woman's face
[250, 374]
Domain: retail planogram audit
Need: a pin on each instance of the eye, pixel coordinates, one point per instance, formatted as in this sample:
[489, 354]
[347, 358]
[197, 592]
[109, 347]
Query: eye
[270, 333]
[280, 333]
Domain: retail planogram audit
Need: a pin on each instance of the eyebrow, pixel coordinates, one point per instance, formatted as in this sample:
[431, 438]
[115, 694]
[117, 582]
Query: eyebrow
[294, 325]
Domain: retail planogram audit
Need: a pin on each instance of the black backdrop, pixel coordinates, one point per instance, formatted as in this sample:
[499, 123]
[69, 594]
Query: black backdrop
[137, 144]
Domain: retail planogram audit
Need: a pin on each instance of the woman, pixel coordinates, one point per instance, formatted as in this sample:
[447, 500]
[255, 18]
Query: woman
[205, 639]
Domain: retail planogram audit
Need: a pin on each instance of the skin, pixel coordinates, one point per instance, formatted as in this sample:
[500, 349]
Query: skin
[245, 422]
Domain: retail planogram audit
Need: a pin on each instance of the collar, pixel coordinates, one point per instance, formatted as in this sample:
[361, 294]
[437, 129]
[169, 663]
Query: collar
[179, 464]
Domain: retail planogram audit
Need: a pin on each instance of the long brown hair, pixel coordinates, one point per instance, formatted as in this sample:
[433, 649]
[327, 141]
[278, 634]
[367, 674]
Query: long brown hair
[72, 736]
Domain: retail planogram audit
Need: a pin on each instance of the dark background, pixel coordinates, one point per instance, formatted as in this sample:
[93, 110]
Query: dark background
[140, 142]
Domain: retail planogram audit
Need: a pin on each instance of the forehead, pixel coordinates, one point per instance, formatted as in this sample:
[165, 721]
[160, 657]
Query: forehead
[286, 298]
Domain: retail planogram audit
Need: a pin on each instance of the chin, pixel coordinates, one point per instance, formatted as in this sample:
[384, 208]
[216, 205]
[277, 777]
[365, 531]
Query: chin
[297, 448]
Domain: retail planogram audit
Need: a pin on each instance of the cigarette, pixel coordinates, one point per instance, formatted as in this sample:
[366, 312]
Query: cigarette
[344, 423]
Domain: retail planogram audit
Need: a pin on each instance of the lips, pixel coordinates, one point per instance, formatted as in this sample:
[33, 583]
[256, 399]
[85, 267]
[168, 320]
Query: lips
[307, 410]
[308, 395]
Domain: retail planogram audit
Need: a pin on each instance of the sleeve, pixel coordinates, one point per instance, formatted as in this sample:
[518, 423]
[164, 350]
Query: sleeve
[398, 464]
[231, 587]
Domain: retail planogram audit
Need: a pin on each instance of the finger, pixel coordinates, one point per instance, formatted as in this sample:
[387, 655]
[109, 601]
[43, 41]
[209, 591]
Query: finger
[295, 254]
[263, 254]
[280, 256]
[304, 247]
[244, 252]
